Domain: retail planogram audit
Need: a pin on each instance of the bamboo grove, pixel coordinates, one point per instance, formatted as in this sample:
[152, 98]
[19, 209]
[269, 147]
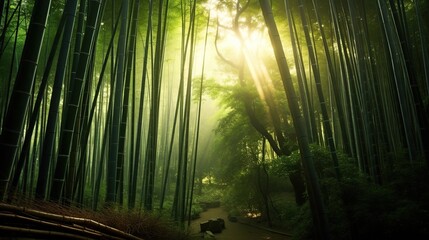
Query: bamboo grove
[101, 101]
[81, 122]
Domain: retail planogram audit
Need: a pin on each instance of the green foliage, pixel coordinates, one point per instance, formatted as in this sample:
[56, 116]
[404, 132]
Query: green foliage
[196, 210]
[242, 194]
[209, 194]
[165, 212]
[360, 209]
[286, 165]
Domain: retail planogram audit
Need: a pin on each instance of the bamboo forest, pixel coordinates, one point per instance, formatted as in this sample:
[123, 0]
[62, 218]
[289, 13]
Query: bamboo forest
[223, 119]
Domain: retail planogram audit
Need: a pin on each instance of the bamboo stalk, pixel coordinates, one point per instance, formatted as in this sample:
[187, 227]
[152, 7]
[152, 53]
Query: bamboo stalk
[13, 122]
[313, 185]
[72, 107]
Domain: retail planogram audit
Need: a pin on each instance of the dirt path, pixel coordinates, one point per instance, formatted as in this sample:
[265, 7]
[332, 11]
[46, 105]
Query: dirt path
[234, 230]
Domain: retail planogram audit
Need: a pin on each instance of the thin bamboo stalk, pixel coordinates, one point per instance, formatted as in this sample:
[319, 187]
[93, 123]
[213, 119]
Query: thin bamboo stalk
[137, 154]
[198, 122]
[152, 143]
[130, 65]
[112, 164]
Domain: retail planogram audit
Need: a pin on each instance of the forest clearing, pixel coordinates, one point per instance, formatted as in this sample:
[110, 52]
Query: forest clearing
[126, 119]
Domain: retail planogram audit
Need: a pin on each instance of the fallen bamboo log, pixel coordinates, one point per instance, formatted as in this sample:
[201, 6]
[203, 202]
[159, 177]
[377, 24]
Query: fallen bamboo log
[85, 223]
[15, 220]
[8, 231]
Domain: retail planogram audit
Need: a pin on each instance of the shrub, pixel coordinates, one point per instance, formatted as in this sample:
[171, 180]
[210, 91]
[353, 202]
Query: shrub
[357, 208]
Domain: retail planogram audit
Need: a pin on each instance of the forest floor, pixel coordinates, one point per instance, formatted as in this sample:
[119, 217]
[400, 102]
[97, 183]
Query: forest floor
[235, 230]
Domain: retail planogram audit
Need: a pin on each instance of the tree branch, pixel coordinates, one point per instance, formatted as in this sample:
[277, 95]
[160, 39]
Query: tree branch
[218, 51]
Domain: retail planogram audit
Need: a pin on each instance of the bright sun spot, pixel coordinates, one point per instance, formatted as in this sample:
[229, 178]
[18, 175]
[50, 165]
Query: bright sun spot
[251, 39]
[248, 42]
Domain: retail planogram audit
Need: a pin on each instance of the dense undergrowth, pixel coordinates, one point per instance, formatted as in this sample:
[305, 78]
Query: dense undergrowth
[356, 207]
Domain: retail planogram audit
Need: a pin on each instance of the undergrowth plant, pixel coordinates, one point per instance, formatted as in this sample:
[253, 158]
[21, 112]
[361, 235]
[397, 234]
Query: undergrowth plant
[357, 208]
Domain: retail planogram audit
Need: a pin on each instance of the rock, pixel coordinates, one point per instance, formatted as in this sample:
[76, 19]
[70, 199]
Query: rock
[215, 226]
[209, 234]
[204, 226]
[222, 222]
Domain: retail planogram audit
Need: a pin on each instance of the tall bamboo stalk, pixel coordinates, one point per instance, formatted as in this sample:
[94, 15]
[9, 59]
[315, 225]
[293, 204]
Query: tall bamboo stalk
[73, 102]
[134, 166]
[128, 75]
[87, 129]
[317, 78]
[152, 143]
[198, 123]
[35, 114]
[315, 196]
[49, 141]
[14, 118]
[308, 111]
[117, 107]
